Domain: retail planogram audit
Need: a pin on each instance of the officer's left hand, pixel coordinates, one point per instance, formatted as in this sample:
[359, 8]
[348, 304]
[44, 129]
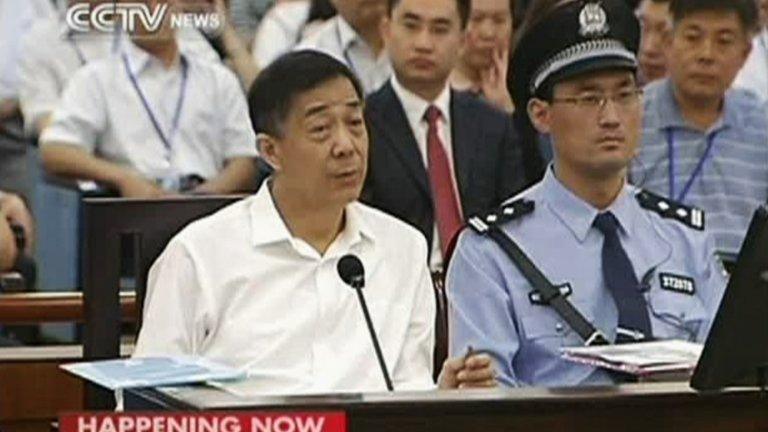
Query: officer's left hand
[475, 371]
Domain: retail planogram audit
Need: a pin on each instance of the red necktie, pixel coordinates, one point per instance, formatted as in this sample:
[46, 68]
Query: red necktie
[447, 213]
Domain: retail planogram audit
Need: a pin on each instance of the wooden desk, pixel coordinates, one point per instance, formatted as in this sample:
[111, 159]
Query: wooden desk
[633, 407]
[34, 390]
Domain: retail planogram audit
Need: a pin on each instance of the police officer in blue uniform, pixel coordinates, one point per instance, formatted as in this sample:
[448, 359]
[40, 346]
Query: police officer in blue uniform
[582, 257]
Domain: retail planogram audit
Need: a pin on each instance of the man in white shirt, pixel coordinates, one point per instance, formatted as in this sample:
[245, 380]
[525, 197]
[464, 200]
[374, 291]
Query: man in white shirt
[53, 53]
[15, 19]
[280, 30]
[150, 120]
[353, 38]
[255, 285]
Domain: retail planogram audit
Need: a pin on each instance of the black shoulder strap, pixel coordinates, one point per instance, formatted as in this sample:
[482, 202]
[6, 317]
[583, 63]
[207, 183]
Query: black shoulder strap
[666, 208]
[488, 225]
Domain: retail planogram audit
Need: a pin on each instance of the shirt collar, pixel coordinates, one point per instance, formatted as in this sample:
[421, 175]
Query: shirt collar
[139, 60]
[670, 115]
[415, 106]
[356, 227]
[577, 214]
[347, 35]
[268, 226]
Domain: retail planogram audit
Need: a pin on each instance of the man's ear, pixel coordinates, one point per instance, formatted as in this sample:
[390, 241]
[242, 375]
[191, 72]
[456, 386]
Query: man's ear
[540, 114]
[747, 51]
[269, 150]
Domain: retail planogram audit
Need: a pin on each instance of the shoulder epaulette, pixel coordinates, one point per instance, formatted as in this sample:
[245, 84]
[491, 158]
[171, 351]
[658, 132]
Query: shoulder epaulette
[691, 216]
[505, 213]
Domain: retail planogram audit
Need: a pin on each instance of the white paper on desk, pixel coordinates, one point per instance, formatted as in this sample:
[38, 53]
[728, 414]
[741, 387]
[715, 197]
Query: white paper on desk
[640, 358]
[151, 371]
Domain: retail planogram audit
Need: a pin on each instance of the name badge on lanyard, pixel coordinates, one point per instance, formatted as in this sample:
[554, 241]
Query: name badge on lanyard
[696, 171]
[166, 139]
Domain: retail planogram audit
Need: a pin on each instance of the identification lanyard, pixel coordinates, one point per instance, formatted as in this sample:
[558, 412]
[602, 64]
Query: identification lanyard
[696, 171]
[166, 139]
[78, 51]
[72, 38]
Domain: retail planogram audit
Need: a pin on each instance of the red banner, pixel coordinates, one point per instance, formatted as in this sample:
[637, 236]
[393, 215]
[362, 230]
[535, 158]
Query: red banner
[241, 421]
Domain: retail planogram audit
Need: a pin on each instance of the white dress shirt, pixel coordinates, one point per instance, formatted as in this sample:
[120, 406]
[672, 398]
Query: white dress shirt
[52, 55]
[415, 108]
[754, 74]
[337, 38]
[236, 287]
[16, 17]
[102, 113]
[279, 31]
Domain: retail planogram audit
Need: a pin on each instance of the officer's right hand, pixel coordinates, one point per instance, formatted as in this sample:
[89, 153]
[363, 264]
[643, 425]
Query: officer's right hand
[473, 371]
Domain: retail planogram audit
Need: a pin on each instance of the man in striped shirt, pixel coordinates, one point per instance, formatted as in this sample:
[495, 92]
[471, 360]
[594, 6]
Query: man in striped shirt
[703, 144]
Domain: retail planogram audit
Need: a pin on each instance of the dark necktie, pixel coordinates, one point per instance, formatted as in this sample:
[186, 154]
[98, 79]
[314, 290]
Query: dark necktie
[620, 279]
[447, 214]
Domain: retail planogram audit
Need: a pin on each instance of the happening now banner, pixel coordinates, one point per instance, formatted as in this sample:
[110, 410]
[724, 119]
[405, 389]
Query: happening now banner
[241, 421]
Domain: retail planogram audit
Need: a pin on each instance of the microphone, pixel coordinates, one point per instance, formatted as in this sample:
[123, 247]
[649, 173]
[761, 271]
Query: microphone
[351, 271]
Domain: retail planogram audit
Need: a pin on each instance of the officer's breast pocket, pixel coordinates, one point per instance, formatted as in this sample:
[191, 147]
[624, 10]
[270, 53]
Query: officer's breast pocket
[544, 329]
[676, 315]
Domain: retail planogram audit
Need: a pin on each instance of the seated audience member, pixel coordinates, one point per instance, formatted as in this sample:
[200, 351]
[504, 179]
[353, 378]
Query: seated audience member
[14, 215]
[353, 37]
[255, 285]
[16, 242]
[703, 144]
[482, 64]
[246, 16]
[52, 53]
[225, 39]
[280, 30]
[655, 27]
[754, 74]
[15, 19]
[437, 155]
[613, 252]
[150, 120]
[286, 24]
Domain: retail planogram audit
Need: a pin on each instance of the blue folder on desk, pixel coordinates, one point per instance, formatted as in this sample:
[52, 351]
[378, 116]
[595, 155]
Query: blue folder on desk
[152, 371]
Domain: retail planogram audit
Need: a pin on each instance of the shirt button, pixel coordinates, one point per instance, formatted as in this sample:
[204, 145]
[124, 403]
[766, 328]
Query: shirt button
[559, 327]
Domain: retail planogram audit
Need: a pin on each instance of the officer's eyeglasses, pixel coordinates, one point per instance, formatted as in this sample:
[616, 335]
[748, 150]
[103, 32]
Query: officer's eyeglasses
[596, 101]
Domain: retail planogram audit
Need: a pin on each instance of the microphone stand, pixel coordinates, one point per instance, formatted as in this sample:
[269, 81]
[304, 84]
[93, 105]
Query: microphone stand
[376, 347]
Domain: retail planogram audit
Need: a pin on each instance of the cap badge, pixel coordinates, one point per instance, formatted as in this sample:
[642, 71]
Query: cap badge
[593, 20]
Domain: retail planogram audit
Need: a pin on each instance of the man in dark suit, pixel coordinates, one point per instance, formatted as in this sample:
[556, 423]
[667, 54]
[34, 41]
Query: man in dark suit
[437, 155]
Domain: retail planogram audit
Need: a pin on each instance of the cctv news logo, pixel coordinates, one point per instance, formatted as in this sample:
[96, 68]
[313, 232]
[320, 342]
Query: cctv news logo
[107, 17]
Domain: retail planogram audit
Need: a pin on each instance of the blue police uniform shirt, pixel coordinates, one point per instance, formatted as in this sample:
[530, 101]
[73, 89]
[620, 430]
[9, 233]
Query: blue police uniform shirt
[490, 304]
